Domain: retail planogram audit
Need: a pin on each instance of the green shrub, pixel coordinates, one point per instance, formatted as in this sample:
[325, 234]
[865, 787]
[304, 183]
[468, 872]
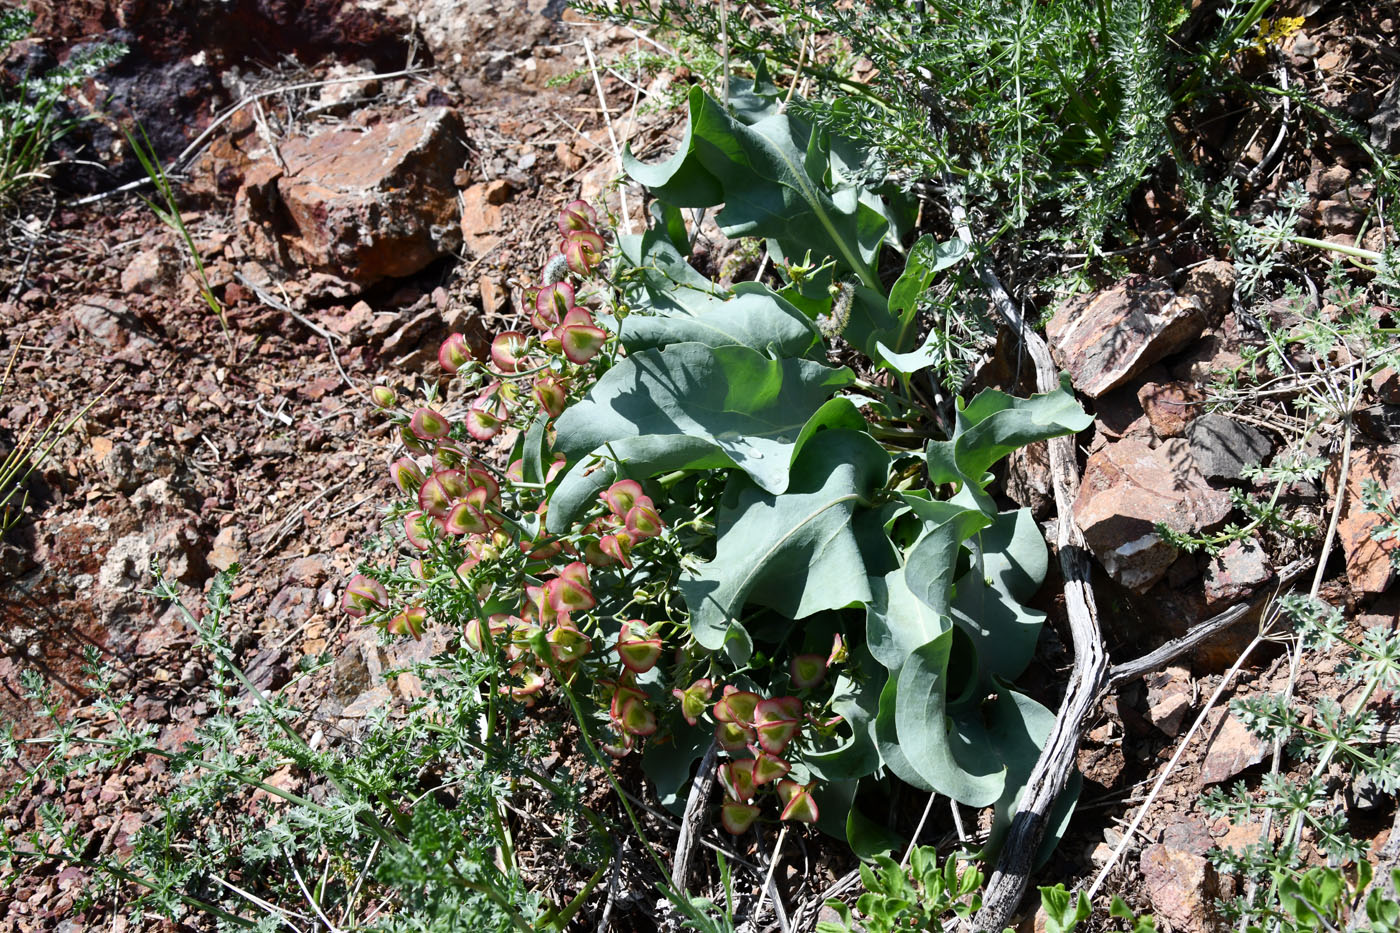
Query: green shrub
[32, 115]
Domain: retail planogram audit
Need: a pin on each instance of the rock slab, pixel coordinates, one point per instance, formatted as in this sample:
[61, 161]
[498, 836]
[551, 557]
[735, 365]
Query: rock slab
[1128, 488]
[1223, 448]
[361, 206]
[1106, 338]
[1370, 568]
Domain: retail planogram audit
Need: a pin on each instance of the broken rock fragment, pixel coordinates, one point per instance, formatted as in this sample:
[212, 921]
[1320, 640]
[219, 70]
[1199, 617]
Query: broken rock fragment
[1106, 338]
[360, 205]
[1128, 488]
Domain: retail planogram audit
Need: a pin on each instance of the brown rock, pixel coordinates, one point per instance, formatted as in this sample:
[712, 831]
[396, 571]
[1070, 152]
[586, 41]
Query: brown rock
[363, 206]
[151, 271]
[1230, 749]
[1236, 571]
[1340, 218]
[1212, 283]
[1369, 566]
[1168, 698]
[1386, 385]
[496, 192]
[1170, 406]
[480, 220]
[1028, 479]
[1128, 487]
[1106, 338]
[1180, 886]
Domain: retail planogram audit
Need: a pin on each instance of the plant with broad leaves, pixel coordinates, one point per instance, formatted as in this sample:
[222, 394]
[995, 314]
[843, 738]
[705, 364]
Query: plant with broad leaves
[714, 532]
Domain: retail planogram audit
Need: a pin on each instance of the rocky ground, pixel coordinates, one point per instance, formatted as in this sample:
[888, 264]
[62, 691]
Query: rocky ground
[347, 227]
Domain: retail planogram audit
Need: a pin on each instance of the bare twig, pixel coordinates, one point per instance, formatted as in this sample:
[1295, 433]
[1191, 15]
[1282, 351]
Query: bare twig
[1009, 880]
[1158, 658]
[1171, 765]
[768, 887]
[693, 820]
[612, 136]
[273, 302]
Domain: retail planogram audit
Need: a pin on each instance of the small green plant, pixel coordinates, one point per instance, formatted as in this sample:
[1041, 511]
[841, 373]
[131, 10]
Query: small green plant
[398, 831]
[1284, 892]
[167, 210]
[31, 110]
[919, 895]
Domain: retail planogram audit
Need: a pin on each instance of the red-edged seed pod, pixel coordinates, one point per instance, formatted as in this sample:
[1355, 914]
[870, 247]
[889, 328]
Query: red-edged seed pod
[363, 595]
[383, 396]
[797, 801]
[618, 744]
[453, 354]
[566, 595]
[407, 474]
[408, 622]
[549, 391]
[737, 817]
[583, 251]
[636, 718]
[420, 529]
[449, 455]
[643, 522]
[551, 304]
[411, 442]
[429, 425]
[638, 651]
[577, 216]
[580, 342]
[807, 671]
[508, 350]
[769, 767]
[621, 496]
[439, 491]
[733, 736]
[568, 644]
[695, 698]
[736, 706]
[737, 779]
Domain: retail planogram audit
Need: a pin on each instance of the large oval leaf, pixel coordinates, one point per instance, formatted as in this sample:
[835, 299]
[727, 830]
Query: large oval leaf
[799, 552]
[953, 755]
[749, 407]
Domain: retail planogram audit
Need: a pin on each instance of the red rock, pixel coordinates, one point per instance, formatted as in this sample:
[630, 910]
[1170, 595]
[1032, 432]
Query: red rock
[1180, 887]
[1230, 749]
[1369, 566]
[1386, 384]
[1212, 283]
[363, 206]
[1170, 406]
[1236, 571]
[1128, 488]
[480, 220]
[1168, 698]
[1105, 339]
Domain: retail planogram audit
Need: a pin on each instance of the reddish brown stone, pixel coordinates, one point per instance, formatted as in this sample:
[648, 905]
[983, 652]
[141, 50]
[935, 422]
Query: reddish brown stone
[1237, 571]
[363, 206]
[480, 220]
[1128, 488]
[1369, 567]
[1180, 886]
[1230, 749]
[1170, 406]
[1105, 339]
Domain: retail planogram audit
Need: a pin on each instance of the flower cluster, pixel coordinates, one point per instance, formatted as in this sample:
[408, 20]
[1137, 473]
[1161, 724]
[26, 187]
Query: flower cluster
[544, 606]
